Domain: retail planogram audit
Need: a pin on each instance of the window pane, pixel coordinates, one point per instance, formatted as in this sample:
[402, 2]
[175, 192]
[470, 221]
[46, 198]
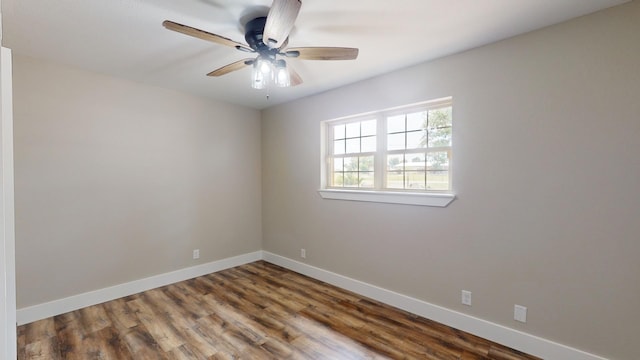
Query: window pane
[416, 139]
[440, 118]
[415, 162]
[415, 179]
[368, 144]
[395, 141]
[395, 180]
[351, 164]
[351, 179]
[353, 130]
[366, 163]
[338, 147]
[395, 162]
[337, 164]
[366, 179]
[353, 145]
[338, 179]
[438, 161]
[338, 132]
[440, 137]
[437, 180]
[368, 128]
[417, 121]
[395, 124]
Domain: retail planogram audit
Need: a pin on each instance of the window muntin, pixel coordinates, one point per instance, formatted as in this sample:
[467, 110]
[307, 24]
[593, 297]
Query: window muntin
[406, 149]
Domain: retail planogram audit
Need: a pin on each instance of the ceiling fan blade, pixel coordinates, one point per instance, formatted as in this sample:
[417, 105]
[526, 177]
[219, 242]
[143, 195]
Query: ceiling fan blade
[284, 45]
[280, 20]
[231, 67]
[322, 53]
[294, 77]
[204, 35]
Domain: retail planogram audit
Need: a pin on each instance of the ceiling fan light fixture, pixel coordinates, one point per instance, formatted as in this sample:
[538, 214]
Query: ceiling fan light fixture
[258, 79]
[264, 65]
[268, 70]
[282, 77]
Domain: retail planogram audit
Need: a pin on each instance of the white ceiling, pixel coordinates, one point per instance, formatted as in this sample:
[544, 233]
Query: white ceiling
[125, 38]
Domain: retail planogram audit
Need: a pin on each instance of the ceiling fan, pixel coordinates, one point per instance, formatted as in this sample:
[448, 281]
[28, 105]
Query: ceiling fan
[268, 37]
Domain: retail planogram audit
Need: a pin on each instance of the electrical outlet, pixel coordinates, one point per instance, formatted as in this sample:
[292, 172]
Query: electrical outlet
[303, 253]
[196, 253]
[520, 313]
[466, 297]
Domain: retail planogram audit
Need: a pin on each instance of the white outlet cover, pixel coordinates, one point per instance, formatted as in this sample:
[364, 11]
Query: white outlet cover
[520, 313]
[466, 297]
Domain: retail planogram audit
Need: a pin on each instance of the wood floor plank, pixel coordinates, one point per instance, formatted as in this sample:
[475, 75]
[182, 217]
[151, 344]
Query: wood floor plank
[254, 311]
[229, 315]
[471, 356]
[39, 330]
[94, 318]
[44, 349]
[22, 342]
[113, 345]
[202, 285]
[162, 332]
[200, 342]
[324, 347]
[183, 295]
[122, 318]
[215, 343]
[239, 338]
[186, 352]
[177, 316]
[213, 329]
[277, 349]
[70, 336]
[141, 344]
[308, 348]
[104, 344]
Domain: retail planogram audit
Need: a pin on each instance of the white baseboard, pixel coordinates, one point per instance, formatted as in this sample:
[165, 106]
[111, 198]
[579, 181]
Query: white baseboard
[515, 339]
[61, 306]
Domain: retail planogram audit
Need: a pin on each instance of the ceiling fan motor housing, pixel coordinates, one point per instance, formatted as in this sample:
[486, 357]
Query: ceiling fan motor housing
[253, 35]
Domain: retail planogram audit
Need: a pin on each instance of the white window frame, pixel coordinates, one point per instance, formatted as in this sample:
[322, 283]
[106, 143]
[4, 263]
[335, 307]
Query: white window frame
[379, 193]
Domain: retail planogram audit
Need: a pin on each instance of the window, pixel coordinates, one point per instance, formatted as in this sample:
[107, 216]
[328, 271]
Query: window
[402, 151]
[353, 151]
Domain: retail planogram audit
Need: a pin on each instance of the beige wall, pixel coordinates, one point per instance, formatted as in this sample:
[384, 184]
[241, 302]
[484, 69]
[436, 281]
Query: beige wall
[546, 170]
[117, 181]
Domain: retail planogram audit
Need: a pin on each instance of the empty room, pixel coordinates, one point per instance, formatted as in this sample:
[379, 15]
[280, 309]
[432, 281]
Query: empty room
[277, 179]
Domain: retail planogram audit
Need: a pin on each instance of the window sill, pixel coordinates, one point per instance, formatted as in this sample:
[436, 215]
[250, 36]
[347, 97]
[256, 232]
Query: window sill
[407, 198]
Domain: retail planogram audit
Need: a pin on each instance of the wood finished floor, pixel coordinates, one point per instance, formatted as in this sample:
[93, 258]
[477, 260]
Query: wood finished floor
[254, 311]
